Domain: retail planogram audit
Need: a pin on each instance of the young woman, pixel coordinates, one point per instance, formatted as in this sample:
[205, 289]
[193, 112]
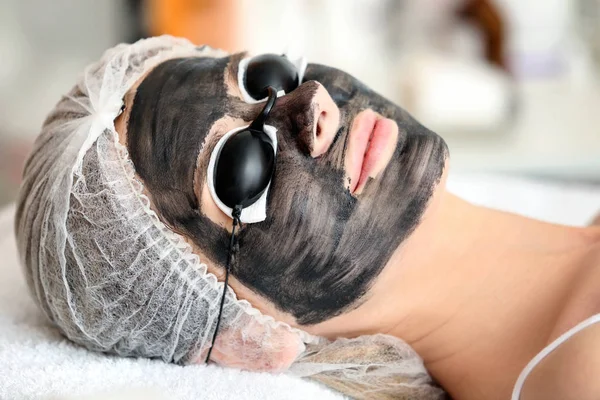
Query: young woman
[323, 207]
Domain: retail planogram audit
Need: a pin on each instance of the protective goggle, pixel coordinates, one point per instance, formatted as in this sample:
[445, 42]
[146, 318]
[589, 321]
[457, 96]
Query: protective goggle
[242, 163]
[255, 74]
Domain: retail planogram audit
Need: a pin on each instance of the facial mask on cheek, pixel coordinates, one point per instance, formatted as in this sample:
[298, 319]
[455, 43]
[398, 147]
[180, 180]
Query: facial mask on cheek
[320, 248]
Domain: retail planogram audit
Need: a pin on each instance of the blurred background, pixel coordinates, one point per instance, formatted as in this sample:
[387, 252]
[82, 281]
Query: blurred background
[510, 84]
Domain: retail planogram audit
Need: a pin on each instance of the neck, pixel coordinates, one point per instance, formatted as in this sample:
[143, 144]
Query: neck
[486, 278]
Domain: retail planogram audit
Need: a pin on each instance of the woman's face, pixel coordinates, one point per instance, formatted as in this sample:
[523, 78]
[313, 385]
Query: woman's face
[349, 185]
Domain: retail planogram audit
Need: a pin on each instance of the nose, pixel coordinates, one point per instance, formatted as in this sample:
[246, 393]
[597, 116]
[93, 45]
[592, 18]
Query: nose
[313, 117]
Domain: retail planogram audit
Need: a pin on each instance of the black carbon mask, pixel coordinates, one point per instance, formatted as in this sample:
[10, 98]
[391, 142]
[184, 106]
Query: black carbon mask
[320, 248]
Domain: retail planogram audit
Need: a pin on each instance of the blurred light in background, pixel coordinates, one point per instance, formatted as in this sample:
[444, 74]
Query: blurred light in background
[510, 84]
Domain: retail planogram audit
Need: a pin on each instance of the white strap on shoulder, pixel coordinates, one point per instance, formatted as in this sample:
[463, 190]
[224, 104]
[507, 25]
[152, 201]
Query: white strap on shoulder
[516, 395]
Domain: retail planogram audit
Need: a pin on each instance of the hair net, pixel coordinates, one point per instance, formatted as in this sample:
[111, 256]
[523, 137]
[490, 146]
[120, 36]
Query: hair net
[113, 278]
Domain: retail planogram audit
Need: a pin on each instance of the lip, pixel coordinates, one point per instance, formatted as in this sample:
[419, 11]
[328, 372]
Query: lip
[371, 144]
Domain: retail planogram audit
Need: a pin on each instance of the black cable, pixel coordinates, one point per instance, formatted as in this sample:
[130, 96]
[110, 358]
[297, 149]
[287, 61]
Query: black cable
[236, 213]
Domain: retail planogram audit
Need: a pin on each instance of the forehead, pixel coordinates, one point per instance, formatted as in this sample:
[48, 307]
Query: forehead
[181, 89]
[184, 76]
[172, 111]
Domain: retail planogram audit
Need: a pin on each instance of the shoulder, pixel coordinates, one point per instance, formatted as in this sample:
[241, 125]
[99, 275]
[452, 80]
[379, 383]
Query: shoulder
[596, 220]
[571, 371]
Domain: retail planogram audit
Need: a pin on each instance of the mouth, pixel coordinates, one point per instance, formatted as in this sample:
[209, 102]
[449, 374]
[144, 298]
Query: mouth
[371, 144]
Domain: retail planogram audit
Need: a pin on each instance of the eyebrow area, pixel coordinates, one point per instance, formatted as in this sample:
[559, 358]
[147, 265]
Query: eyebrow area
[231, 74]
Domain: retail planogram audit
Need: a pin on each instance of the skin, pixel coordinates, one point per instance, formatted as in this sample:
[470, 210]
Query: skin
[464, 287]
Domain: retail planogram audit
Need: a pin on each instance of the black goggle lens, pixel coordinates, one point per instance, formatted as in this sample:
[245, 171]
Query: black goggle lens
[246, 162]
[270, 70]
[244, 167]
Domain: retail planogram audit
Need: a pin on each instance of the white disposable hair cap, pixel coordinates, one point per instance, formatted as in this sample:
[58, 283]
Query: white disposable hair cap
[113, 278]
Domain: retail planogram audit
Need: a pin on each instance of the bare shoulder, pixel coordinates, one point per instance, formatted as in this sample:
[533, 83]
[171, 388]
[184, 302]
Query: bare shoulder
[570, 372]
